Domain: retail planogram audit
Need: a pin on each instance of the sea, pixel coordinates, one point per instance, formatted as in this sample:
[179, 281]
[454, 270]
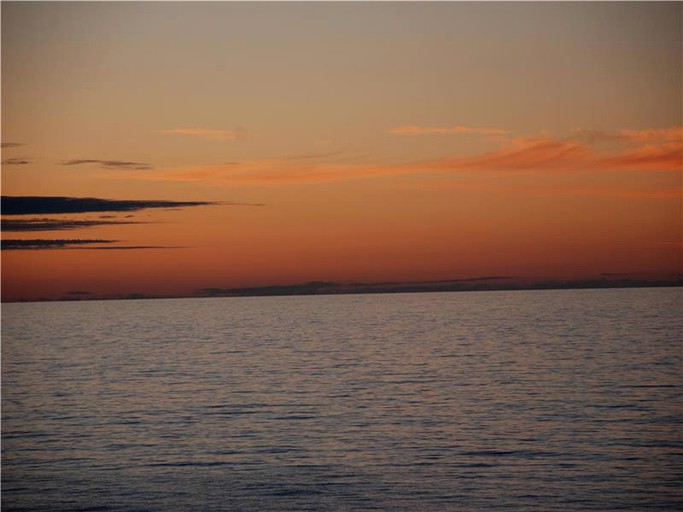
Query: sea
[559, 400]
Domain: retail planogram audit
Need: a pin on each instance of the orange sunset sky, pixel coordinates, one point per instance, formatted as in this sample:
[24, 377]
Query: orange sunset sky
[345, 142]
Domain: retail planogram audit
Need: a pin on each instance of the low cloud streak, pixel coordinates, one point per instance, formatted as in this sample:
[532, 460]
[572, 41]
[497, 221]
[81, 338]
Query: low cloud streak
[36, 244]
[521, 155]
[32, 205]
[111, 164]
[73, 244]
[57, 224]
[16, 161]
[661, 135]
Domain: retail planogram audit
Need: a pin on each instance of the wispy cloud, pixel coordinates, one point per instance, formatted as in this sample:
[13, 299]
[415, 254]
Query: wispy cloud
[50, 244]
[523, 155]
[661, 135]
[46, 205]
[75, 243]
[16, 161]
[31, 205]
[128, 247]
[651, 157]
[445, 130]
[111, 164]
[236, 134]
[56, 224]
[548, 154]
[545, 155]
[11, 144]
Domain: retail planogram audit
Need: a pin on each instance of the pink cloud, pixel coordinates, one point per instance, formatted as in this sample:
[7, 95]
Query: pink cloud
[539, 155]
[662, 135]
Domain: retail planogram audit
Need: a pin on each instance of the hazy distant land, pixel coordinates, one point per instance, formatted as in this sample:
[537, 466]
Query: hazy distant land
[486, 283]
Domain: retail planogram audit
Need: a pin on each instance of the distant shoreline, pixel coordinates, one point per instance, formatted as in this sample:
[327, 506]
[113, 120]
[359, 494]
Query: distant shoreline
[305, 289]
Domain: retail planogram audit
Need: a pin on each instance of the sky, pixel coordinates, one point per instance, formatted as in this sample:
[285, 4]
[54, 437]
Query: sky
[163, 148]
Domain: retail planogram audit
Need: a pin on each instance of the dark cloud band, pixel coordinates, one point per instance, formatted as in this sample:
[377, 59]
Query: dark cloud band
[39, 205]
[73, 244]
[111, 164]
[56, 224]
[16, 161]
[127, 247]
[50, 244]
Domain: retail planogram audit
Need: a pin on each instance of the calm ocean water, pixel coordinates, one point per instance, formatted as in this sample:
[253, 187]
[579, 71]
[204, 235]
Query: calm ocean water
[542, 400]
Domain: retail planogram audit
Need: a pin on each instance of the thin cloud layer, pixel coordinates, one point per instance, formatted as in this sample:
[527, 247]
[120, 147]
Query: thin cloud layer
[128, 247]
[36, 205]
[111, 164]
[236, 134]
[56, 224]
[73, 244]
[662, 135]
[540, 155]
[548, 154]
[11, 144]
[445, 130]
[523, 155]
[16, 161]
[50, 244]
[652, 157]
[666, 135]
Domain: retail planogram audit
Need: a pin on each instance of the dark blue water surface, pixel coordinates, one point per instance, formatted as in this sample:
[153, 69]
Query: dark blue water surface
[539, 400]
